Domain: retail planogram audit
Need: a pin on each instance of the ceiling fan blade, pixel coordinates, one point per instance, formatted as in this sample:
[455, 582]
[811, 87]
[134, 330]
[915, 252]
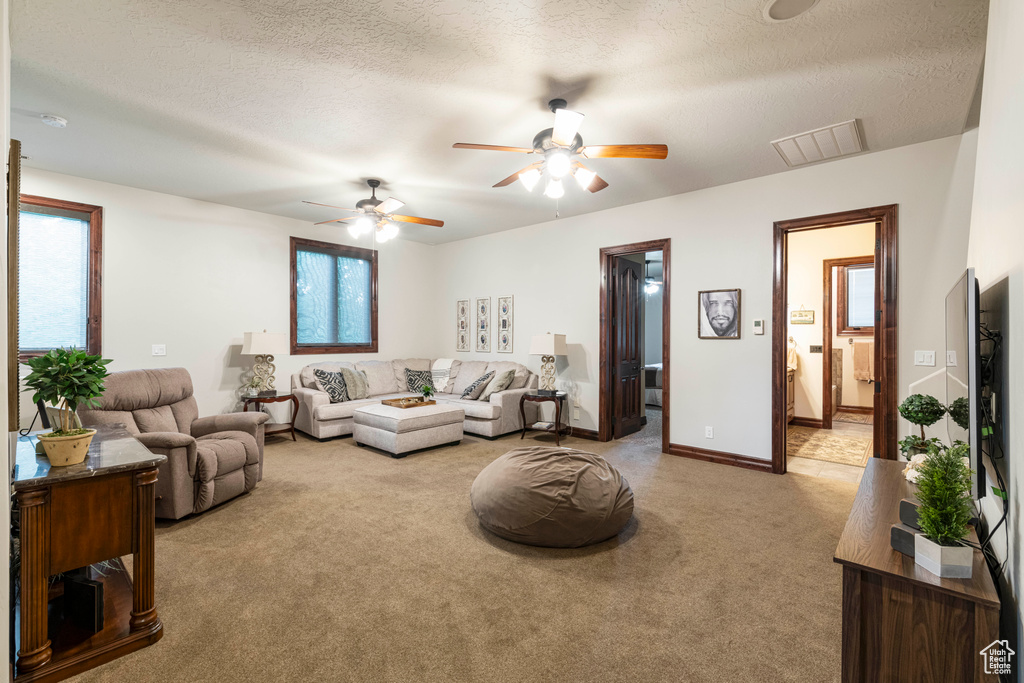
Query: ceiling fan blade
[515, 176]
[330, 206]
[625, 151]
[388, 205]
[337, 220]
[493, 148]
[567, 124]
[596, 184]
[417, 219]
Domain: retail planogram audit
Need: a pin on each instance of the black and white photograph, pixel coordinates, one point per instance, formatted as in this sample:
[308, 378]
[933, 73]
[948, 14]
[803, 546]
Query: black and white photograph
[718, 314]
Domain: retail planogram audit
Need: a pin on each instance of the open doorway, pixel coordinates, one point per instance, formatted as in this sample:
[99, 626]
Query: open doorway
[634, 344]
[834, 340]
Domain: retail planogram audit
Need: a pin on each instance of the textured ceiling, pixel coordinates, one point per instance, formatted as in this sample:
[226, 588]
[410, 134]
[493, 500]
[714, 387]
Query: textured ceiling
[263, 104]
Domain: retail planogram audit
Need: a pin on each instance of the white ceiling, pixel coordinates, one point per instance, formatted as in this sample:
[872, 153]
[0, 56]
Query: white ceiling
[263, 104]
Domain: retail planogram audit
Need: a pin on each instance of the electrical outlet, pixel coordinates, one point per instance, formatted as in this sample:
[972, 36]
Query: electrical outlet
[576, 413]
[159, 349]
[709, 432]
[924, 358]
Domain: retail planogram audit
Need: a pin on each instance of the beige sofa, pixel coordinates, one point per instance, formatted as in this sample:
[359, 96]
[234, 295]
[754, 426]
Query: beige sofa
[499, 415]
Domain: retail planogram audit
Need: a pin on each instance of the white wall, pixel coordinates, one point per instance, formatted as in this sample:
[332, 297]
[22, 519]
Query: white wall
[807, 250]
[721, 238]
[653, 315]
[195, 276]
[997, 254]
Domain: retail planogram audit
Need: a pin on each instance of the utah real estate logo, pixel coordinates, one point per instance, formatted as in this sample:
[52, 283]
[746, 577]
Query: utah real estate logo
[997, 657]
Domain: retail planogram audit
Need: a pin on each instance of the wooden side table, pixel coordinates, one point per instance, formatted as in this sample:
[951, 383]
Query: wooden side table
[78, 516]
[275, 398]
[558, 399]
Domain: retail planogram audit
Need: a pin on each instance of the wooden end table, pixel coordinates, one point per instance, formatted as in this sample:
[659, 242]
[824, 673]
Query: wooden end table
[275, 398]
[558, 399]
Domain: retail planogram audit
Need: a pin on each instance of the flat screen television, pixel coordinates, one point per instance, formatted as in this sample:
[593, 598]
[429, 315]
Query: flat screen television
[963, 373]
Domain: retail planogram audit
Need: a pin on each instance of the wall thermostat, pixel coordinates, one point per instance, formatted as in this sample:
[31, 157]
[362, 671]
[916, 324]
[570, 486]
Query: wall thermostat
[758, 327]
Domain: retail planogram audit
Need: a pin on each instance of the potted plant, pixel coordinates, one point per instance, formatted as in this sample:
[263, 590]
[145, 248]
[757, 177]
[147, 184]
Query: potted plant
[67, 378]
[960, 411]
[943, 489]
[924, 411]
[252, 387]
[428, 391]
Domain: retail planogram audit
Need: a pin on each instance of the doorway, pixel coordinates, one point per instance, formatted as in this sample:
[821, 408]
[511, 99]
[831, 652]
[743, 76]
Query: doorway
[882, 312]
[635, 298]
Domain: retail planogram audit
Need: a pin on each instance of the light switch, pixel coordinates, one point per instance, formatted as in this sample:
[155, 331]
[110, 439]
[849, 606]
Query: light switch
[951, 359]
[924, 358]
[159, 349]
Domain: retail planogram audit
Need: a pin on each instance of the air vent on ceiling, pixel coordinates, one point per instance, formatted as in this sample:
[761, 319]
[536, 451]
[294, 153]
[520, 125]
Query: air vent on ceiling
[829, 142]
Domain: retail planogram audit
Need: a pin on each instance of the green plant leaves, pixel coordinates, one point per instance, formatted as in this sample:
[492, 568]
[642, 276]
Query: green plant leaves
[943, 489]
[921, 409]
[68, 376]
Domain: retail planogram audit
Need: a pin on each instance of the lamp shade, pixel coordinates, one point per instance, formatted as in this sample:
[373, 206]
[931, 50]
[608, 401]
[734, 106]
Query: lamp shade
[548, 345]
[264, 344]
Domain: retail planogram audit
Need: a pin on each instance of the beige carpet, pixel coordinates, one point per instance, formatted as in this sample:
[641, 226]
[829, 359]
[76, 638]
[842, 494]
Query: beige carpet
[829, 445]
[347, 565]
[855, 418]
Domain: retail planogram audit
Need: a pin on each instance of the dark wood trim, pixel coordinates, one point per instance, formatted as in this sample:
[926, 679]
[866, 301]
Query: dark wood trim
[826, 330]
[808, 422]
[842, 322]
[588, 434]
[605, 407]
[886, 220]
[334, 250]
[13, 204]
[720, 457]
[858, 410]
[94, 320]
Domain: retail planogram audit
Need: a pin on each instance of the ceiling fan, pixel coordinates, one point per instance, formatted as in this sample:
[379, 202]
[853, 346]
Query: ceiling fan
[374, 214]
[561, 146]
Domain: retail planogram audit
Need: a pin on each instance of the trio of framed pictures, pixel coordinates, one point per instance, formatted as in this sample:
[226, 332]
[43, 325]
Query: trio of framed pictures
[481, 330]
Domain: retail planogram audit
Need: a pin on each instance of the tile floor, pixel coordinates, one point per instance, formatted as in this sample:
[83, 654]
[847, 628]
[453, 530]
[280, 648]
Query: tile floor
[826, 470]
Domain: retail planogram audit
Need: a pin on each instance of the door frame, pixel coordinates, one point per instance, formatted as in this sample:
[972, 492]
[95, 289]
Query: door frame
[886, 220]
[826, 341]
[605, 406]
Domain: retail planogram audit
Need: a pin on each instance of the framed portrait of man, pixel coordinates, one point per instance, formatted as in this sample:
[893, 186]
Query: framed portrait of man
[718, 314]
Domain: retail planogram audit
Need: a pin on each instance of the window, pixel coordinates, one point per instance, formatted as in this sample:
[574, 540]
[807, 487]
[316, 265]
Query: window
[856, 310]
[59, 273]
[334, 298]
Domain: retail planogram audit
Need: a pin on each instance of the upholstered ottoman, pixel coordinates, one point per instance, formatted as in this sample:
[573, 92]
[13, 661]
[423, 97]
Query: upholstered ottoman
[554, 497]
[400, 431]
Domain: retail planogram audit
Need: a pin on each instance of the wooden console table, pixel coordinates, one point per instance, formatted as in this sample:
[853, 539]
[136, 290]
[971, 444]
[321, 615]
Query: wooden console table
[275, 398]
[77, 516]
[901, 622]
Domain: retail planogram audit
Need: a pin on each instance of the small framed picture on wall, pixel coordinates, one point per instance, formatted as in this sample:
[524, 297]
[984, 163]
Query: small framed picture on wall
[718, 314]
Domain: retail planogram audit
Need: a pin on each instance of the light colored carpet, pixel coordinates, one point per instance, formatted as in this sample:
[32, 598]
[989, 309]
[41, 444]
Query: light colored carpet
[347, 565]
[855, 418]
[846, 448]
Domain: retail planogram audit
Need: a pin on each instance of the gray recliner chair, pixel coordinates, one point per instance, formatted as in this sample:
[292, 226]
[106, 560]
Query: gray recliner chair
[209, 459]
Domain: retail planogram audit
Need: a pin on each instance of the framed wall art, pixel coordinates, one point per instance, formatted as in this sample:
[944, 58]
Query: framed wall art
[462, 328]
[483, 325]
[801, 317]
[505, 313]
[718, 314]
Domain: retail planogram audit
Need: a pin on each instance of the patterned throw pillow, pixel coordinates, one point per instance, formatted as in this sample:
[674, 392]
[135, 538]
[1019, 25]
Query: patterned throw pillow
[333, 383]
[474, 390]
[417, 379]
[499, 383]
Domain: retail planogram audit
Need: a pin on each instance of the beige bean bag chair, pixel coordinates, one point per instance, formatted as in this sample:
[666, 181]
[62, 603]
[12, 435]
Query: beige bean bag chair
[554, 497]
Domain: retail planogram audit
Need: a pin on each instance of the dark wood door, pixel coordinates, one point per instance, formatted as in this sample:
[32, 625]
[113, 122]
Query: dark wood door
[877, 403]
[628, 279]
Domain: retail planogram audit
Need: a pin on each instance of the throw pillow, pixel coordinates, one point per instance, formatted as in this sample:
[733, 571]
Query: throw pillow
[417, 379]
[355, 382]
[520, 379]
[333, 383]
[499, 383]
[474, 390]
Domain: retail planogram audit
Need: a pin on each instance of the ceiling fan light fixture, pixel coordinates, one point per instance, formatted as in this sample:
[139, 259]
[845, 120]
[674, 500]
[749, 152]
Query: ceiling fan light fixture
[584, 176]
[360, 226]
[567, 124]
[387, 231]
[558, 163]
[529, 179]
[555, 189]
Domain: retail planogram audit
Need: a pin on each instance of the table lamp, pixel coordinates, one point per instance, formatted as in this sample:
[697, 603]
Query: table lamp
[547, 346]
[263, 345]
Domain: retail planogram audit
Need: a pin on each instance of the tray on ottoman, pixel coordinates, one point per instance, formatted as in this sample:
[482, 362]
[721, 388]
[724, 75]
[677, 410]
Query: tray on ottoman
[400, 431]
[413, 402]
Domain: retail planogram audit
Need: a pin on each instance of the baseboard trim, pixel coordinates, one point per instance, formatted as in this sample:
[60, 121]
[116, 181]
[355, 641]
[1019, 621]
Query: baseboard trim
[859, 410]
[588, 434]
[720, 457]
[806, 422]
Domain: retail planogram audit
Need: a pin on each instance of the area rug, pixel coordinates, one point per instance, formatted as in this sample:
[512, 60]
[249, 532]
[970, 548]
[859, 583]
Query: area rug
[855, 418]
[827, 445]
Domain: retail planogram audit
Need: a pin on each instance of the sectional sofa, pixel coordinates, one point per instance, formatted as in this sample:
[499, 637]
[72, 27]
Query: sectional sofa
[499, 415]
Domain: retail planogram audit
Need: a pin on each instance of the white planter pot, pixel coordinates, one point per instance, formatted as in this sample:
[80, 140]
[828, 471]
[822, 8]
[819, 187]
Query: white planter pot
[950, 561]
